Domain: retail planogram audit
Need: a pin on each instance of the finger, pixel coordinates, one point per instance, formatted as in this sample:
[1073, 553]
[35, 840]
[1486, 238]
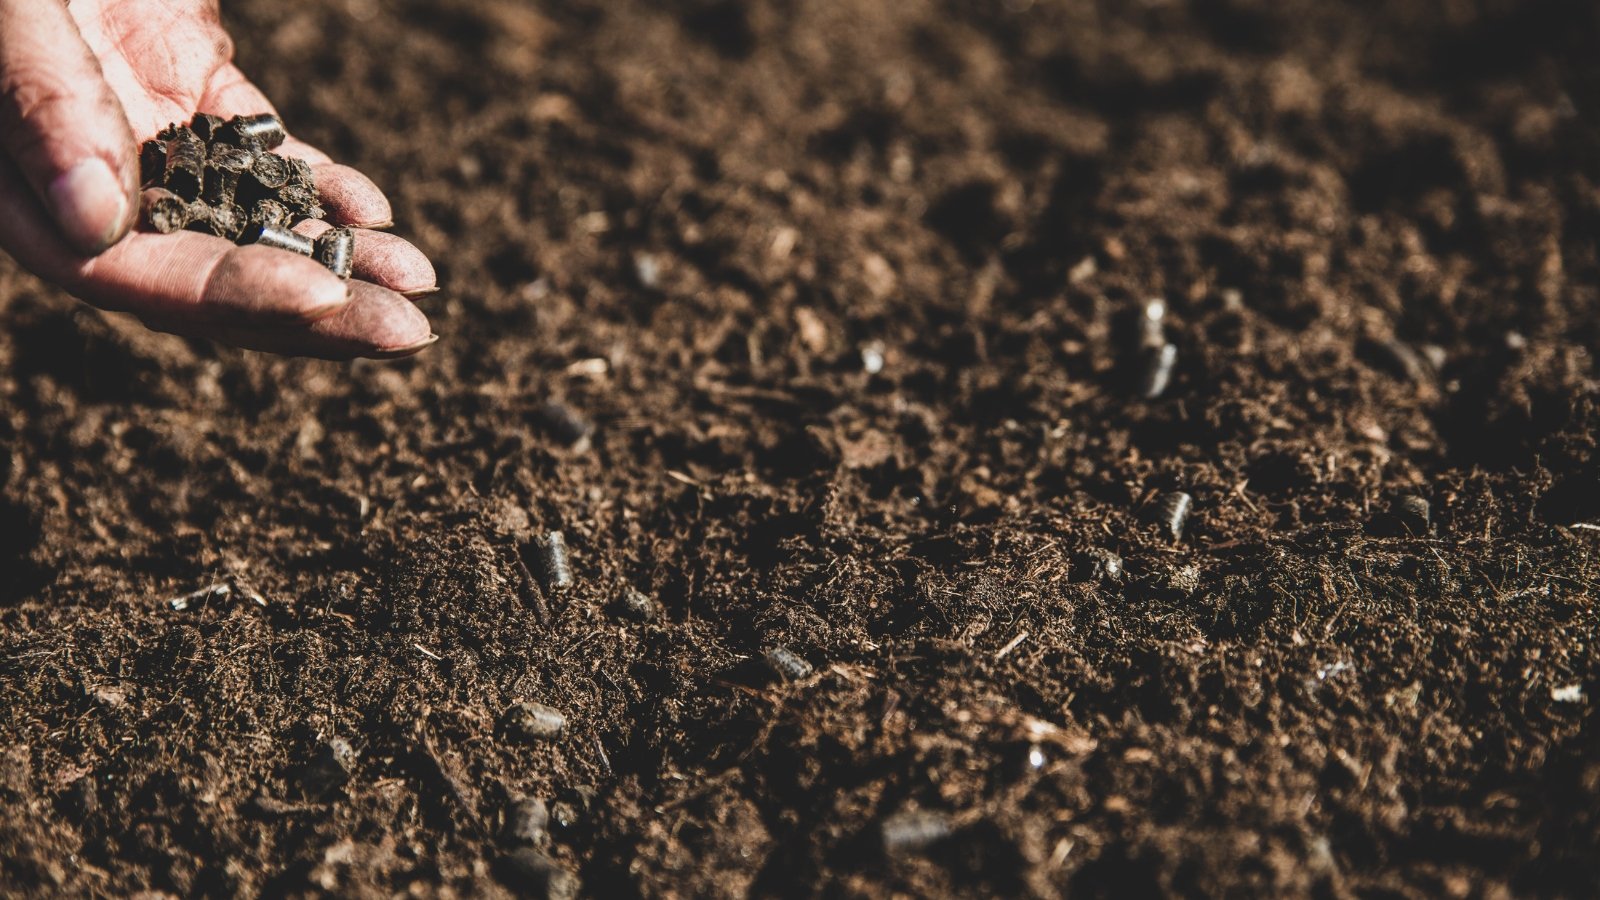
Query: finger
[63, 127]
[378, 324]
[384, 259]
[187, 275]
[302, 150]
[350, 197]
[202, 278]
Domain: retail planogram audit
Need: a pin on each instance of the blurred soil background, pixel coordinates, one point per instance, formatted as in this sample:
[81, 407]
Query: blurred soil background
[849, 291]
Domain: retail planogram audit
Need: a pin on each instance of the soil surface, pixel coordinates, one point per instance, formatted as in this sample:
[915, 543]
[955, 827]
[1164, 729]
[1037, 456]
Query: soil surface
[850, 292]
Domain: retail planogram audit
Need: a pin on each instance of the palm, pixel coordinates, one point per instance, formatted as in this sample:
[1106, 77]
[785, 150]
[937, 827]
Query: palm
[165, 61]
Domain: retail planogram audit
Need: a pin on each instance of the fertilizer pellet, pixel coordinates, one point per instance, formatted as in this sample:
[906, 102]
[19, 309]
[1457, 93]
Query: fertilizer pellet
[1159, 363]
[1172, 513]
[271, 171]
[1413, 514]
[909, 832]
[265, 131]
[165, 211]
[337, 251]
[186, 164]
[786, 663]
[535, 721]
[553, 562]
[218, 177]
[528, 822]
[281, 238]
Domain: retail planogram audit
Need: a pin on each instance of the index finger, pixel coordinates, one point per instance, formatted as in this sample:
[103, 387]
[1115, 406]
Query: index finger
[185, 275]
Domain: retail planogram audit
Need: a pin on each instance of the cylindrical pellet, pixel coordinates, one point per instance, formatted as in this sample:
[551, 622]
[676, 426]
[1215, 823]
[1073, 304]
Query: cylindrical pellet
[206, 126]
[281, 238]
[152, 162]
[1150, 321]
[786, 663]
[1103, 565]
[165, 211]
[226, 220]
[300, 173]
[301, 201]
[1158, 365]
[553, 562]
[186, 164]
[532, 873]
[223, 170]
[567, 425]
[1172, 513]
[200, 217]
[535, 721]
[336, 249]
[232, 158]
[528, 821]
[265, 130]
[1414, 514]
[639, 605]
[271, 212]
[1398, 358]
[271, 171]
[908, 832]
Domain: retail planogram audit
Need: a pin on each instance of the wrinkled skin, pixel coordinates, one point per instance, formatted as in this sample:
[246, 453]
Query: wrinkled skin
[81, 84]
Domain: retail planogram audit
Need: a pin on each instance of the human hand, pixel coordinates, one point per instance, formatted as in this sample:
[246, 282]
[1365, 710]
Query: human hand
[81, 83]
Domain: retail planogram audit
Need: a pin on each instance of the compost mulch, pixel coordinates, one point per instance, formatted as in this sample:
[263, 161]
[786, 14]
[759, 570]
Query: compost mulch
[815, 329]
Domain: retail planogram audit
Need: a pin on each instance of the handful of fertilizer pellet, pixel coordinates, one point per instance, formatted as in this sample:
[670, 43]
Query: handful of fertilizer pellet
[222, 178]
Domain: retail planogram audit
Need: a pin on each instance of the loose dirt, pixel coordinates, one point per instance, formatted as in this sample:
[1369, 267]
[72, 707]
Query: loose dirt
[814, 327]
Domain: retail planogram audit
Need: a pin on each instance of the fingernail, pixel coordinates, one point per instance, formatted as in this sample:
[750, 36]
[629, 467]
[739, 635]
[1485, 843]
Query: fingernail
[90, 204]
[402, 352]
[420, 292]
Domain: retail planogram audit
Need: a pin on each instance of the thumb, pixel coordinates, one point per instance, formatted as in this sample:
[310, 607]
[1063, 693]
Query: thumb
[63, 127]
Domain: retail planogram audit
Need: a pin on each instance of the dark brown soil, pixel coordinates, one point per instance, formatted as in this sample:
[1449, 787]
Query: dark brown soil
[695, 223]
